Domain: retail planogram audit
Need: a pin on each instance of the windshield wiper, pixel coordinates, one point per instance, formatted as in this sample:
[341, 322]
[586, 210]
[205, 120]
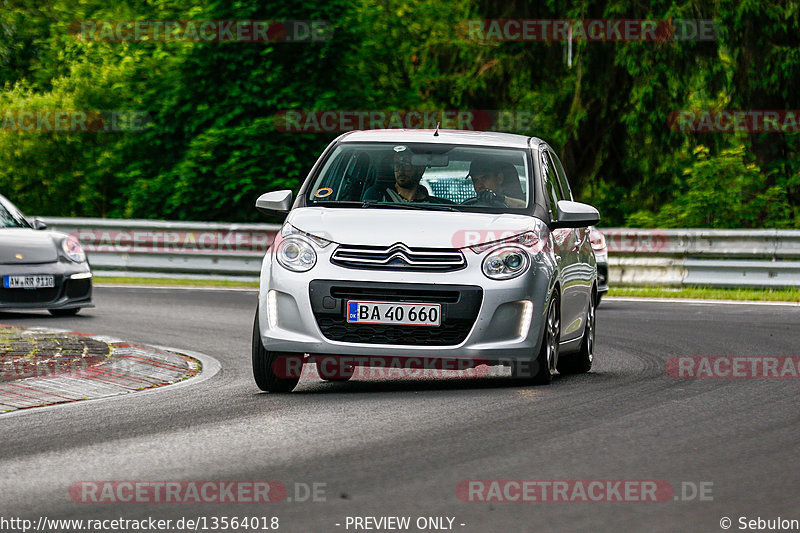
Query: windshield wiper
[334, 203]
[421, 206]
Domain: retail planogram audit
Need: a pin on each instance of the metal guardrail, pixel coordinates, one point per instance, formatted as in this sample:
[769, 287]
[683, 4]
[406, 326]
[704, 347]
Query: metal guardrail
[717, 258]
[724, 258]
[151, 247]
[726, 244]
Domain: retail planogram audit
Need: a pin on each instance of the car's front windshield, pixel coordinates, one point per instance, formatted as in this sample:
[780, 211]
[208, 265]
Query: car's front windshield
[10, 217]
[428, 176]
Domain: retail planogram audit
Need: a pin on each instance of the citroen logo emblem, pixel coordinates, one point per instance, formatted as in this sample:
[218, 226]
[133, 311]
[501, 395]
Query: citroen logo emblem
[18, 256]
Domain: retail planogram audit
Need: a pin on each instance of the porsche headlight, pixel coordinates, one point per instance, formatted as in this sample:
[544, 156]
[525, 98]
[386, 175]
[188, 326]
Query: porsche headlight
[73, 249]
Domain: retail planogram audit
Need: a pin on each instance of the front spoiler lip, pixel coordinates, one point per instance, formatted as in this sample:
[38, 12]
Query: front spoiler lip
[64, 303]
[321, 346]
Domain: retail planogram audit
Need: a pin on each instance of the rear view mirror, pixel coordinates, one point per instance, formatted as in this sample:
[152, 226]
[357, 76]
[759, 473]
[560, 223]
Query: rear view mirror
[275, 202]
[575, 215]
[430, 160]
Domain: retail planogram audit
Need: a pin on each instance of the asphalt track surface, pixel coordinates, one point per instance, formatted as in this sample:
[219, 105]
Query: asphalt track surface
[387, 447]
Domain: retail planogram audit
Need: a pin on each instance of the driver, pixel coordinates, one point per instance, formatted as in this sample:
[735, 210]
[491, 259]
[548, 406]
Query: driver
[487, 179]
[406, 187]
[406, 181]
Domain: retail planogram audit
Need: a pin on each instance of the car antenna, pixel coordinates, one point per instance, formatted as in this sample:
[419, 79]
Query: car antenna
[436, 132]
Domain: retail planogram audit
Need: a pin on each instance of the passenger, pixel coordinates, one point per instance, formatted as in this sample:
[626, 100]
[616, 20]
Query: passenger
[487, 179]
[512, 187]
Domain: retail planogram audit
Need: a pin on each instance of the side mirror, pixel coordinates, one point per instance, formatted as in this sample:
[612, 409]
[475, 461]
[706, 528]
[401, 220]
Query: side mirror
[275, 203]
[575, 215]
[38, 223]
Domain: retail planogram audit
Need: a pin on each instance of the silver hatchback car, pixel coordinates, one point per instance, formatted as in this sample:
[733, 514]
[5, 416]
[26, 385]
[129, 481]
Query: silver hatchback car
[427, 248]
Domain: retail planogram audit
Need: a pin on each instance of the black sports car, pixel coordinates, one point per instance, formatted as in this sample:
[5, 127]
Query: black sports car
[40, 269]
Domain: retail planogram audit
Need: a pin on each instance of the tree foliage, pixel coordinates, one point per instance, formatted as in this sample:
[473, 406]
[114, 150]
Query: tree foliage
[210, 146]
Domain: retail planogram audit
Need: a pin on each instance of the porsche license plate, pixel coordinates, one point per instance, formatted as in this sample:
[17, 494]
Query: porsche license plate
[29, 282]
[401, 314]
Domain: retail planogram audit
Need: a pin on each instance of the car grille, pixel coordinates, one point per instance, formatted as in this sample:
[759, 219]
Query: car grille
[398, 257]
[79, 288]
[29, 296]
[460, 306]
[450, 333]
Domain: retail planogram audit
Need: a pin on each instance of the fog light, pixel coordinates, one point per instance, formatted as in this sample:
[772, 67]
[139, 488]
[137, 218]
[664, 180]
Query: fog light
[527, 316]
[272, 309]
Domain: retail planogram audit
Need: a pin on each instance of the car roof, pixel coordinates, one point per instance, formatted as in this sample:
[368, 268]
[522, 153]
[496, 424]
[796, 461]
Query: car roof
[462, 137]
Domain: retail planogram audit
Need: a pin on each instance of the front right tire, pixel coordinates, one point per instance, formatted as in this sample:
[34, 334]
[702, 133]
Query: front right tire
[274, 371]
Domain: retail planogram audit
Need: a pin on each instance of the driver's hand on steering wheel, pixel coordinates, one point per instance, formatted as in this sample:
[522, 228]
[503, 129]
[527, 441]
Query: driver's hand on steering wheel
[488, 196]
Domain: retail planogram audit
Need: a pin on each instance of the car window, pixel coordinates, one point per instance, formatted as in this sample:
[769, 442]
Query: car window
[10, 217]
[566, 191]
[366, 172]
[550, 184]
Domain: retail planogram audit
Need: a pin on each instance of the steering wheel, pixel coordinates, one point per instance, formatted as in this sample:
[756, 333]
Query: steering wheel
[486, 197]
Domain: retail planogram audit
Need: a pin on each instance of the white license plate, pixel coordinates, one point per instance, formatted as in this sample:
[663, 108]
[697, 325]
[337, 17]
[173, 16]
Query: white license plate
[29, 282]
[401, 314]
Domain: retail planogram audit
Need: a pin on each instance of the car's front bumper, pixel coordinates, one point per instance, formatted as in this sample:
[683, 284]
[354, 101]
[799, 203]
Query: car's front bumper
[68, 292]
[506, 325]
[602, 272]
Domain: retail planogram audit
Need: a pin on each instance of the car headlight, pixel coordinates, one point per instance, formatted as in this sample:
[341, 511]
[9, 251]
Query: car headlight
[530, 240]
[296, 254]
[295, 251]
[73, 249]
[506, 263]
[289, 231]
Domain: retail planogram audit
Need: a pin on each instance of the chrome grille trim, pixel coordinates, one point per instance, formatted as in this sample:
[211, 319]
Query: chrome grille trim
[398, 256]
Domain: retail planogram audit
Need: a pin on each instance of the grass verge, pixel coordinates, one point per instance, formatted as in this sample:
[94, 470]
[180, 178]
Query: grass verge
[169, 282]
[709, 293]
